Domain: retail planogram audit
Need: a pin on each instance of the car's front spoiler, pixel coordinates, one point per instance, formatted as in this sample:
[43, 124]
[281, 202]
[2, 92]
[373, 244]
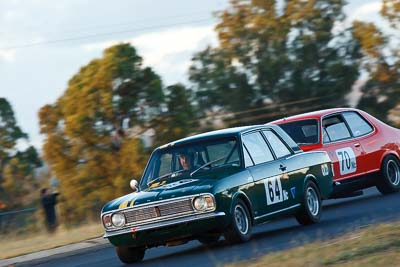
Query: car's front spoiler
[163, 224]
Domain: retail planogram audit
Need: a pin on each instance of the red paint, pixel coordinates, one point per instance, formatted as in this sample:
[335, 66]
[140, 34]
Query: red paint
[369, 149]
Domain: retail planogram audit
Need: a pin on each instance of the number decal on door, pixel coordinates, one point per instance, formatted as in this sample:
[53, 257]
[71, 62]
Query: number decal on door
[347, 160]
[274, 192]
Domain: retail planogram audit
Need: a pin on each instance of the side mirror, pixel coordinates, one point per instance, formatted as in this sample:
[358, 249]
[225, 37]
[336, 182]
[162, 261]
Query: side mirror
[134, 185]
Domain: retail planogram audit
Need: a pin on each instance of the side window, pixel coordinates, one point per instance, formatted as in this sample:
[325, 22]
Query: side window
[357, 124]
[325, 137]
[277, 145]
[258, 148]
[247, 160]
[335, 128]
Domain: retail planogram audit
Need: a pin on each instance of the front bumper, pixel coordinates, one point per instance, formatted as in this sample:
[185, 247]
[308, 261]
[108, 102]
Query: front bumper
[163, 224]
[158, 233]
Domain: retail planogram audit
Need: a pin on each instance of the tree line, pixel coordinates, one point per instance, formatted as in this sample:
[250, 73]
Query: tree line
[16, 165]
[273, 59]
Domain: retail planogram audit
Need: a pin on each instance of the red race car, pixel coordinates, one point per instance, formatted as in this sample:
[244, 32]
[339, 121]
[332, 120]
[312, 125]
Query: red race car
[365, 152]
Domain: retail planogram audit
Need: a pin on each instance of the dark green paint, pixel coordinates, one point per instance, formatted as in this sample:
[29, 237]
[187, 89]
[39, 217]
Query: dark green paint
[226, 184]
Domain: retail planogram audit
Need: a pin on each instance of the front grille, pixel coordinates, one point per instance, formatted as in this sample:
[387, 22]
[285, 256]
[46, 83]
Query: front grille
[176, 208]
[158, 211]
[140, 214]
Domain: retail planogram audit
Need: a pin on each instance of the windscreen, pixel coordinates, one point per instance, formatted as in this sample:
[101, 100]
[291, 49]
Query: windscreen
[303, 132]
[184, 161]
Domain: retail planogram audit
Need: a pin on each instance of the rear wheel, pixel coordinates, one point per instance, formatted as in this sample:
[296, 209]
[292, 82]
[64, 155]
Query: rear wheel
[389, 181]
[240, 228]
[310, 211]
[130, 254]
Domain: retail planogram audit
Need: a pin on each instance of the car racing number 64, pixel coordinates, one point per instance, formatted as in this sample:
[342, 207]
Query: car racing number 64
[273, 189]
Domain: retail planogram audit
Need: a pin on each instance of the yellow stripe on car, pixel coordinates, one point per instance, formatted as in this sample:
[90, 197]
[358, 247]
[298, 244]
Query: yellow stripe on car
[123, 205]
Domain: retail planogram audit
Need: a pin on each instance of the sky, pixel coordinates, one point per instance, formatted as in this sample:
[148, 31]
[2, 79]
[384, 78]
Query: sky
[43, 43]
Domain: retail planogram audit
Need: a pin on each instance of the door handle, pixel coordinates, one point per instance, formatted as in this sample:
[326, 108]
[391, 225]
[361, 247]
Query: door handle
[282, 167]
[357, 144]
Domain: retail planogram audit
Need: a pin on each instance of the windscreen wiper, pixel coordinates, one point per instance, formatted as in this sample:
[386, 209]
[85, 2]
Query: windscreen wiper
[171, 174]
[159, 178]
[206, 164]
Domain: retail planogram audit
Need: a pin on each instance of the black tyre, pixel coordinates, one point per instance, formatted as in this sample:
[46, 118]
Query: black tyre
[310, 211]
[240, 228]
[389, 180]
[209, 239]
[130, 254]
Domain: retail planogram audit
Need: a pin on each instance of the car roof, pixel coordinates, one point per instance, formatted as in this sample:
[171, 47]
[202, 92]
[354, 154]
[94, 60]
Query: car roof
[215, 134]
[312, 115]
[232, 132]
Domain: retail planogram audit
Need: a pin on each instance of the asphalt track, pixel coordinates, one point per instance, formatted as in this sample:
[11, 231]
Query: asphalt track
[339, 217]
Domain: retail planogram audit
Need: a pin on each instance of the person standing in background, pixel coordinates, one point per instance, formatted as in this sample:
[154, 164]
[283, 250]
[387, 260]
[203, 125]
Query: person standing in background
[49, 201]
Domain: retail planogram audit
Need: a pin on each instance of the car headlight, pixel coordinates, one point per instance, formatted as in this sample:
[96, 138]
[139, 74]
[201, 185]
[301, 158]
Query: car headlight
[204, 203]
[118, 219]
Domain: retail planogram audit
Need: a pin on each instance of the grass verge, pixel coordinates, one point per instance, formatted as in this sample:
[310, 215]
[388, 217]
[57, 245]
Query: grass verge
[377, 245]
[16, 245]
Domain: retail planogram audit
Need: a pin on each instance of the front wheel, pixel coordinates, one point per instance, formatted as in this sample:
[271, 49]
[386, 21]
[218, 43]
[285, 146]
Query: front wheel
[130, 254]
[240, 228]
[311, 207]
[389, 181]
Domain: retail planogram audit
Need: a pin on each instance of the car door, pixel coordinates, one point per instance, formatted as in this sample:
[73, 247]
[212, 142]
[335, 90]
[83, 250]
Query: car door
[267, 195]
[363, 131]
[343, 148]
[291, 181]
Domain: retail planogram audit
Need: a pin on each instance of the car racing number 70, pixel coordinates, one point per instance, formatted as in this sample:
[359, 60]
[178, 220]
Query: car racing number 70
[347, 160]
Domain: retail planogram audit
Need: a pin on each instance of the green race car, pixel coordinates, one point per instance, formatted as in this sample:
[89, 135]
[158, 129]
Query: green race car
[217, 183]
